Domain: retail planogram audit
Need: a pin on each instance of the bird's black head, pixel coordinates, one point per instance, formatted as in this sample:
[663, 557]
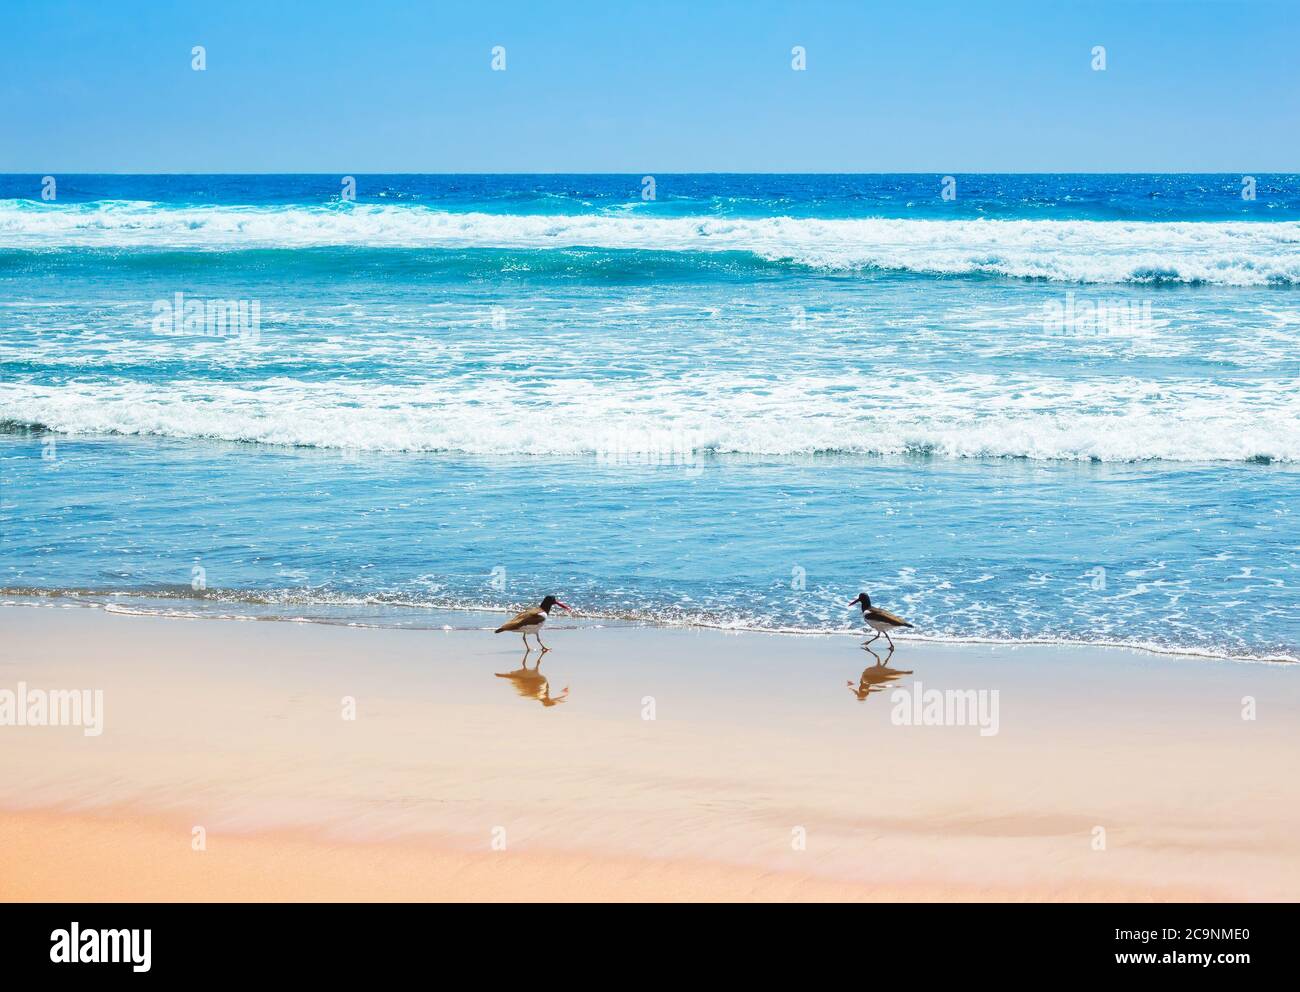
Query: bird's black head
[550, 601]
[863, 599]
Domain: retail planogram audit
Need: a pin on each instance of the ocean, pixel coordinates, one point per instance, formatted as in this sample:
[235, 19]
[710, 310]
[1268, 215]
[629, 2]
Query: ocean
[1024, 408]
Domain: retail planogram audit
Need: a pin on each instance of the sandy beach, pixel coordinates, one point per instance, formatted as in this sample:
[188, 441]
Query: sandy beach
[247, 760]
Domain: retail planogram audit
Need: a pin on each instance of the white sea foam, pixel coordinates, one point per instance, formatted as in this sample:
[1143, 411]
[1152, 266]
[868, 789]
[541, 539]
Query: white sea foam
[953, 415]
[1223, 253]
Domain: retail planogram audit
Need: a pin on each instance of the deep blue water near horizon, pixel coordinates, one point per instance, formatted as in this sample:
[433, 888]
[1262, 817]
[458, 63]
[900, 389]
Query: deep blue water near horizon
[1045, 196]
[1054, 407]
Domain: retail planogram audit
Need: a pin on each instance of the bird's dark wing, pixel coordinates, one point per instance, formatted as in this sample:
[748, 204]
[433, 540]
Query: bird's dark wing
[521, 620]
[875, 613]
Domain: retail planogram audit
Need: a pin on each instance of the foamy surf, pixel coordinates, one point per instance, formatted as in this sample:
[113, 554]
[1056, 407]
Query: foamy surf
[1076, 251]
[948, 416]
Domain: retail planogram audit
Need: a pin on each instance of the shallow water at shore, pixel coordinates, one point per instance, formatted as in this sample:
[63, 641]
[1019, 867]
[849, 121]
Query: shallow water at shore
[991, 551]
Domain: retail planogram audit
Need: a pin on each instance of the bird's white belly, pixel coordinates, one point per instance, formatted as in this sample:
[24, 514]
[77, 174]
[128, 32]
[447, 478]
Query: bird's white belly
[881, 625]
[534, 624]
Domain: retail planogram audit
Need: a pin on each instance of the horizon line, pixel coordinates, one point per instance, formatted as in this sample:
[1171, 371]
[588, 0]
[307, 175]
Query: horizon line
[673, 172]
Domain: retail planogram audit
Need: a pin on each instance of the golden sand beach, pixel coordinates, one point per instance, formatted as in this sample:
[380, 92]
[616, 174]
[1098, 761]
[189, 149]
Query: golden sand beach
[302, 761]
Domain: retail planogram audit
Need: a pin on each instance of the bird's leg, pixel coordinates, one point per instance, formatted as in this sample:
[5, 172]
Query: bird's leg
[538, 635]
[891, 642]
[874, 639]
[526, 647]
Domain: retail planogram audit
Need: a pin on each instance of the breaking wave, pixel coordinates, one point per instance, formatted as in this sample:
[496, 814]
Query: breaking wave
[1076, 251]
[957, 416]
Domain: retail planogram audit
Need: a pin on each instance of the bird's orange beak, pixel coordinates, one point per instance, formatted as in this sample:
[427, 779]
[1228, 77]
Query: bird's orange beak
[564, 606]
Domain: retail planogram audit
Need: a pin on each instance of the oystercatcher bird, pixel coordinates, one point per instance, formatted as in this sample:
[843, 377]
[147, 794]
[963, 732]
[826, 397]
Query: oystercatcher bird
[881, 621]
[530, 621]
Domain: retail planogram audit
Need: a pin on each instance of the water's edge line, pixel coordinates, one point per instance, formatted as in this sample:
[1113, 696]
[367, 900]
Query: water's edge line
[52, 598]
[17, 428]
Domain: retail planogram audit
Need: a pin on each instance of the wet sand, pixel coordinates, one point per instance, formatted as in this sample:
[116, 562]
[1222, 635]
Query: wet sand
[775, 767]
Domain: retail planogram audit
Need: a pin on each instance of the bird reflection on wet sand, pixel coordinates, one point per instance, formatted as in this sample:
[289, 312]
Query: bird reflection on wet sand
[875, 676]
[532, 684]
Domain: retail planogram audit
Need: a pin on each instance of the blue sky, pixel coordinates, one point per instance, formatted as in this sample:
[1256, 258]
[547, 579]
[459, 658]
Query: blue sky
[377, 86]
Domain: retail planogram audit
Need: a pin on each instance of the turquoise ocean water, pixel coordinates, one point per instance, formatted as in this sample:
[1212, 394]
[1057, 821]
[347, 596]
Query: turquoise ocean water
[1051, 408]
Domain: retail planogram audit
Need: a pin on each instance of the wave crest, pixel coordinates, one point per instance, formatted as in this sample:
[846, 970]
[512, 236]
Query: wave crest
[1195, 252]
[955, 416]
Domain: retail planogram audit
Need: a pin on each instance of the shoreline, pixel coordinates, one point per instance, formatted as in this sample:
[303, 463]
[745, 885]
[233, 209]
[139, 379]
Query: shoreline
[38, 599]
[759, 775]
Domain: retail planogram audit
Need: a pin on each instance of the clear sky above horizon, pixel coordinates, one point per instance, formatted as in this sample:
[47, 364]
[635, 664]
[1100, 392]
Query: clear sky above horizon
[388, 86]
